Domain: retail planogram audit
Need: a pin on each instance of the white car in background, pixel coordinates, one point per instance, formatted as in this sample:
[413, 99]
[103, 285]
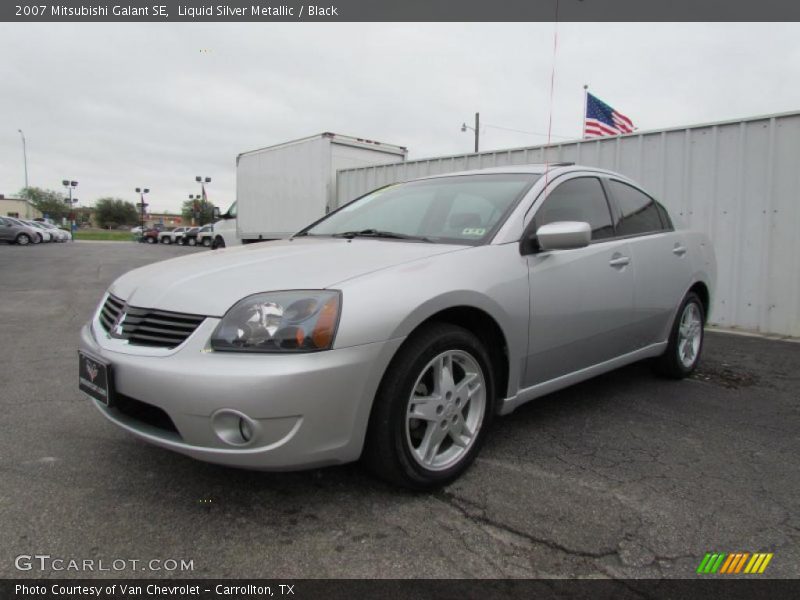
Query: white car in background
[172, 236]
[45, 235]
[205, 235]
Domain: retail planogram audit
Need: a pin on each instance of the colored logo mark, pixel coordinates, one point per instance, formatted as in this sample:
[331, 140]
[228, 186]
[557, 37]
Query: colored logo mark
[734, 563]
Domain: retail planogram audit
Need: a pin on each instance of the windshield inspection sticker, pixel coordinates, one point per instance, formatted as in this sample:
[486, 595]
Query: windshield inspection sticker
[476, 231]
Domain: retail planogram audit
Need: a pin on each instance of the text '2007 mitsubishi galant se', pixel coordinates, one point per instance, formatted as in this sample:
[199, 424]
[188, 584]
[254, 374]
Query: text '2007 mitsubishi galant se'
[395, 328]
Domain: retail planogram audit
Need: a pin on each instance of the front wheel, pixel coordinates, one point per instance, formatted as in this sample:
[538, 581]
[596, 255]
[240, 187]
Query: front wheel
[207, 242]
[150, 240]
[23, 239]
[685, 341]
[219, 243]
[432, 410]
[192, 241]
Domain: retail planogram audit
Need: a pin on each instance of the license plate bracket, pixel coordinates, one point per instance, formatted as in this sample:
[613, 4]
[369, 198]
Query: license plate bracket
[94, 378]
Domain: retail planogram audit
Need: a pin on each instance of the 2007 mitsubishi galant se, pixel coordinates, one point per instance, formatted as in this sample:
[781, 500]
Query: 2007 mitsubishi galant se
[395, 328]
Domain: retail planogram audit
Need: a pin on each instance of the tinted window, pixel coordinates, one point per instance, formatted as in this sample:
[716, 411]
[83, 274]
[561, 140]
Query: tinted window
[580, 199]
[639, 211]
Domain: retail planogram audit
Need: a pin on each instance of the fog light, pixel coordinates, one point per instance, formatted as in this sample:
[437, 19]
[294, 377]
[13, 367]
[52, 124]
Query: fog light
[233, 427]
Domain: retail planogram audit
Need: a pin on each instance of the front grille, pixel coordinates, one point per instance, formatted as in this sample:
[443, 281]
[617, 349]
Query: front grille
[145, 326]
[144, 413]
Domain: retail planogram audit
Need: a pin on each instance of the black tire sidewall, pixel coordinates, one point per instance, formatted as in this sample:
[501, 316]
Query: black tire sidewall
[22, 236]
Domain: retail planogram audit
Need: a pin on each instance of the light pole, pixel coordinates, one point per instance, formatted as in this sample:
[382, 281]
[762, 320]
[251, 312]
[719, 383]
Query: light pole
[476, 129]
[24, 155]
[195, 198]
[203, 198]
[70, 185]
[142, 206]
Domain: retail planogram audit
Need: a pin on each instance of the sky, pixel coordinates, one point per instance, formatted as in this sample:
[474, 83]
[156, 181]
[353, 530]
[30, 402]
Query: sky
[119, 106]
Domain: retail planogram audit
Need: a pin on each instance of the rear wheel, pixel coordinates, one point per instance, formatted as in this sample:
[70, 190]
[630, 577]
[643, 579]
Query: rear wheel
[207, 242]
[150, 240]
[166, 240]
[685, 340]
[23, 239]
[192, 241]
[219, 242]
[432, 410]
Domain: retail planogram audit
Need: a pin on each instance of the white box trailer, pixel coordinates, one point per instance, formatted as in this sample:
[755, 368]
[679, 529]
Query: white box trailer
[280, 189]
[738, 181]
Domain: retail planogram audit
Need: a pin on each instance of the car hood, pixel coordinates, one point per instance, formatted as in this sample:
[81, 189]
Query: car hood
[209, 283]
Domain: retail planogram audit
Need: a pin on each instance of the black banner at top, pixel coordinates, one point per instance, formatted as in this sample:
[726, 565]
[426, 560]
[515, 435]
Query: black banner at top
[398, 10]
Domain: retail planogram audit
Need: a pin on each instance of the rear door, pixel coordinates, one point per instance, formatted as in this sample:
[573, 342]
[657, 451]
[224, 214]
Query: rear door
[661, 268]
[581, 299]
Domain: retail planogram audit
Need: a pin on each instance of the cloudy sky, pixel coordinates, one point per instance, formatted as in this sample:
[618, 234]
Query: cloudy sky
[116, 106]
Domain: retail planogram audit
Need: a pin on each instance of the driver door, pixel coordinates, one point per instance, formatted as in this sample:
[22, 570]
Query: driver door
[581, 301]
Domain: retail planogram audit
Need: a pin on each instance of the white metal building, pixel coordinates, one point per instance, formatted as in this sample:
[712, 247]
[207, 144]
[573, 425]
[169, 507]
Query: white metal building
[739, 181]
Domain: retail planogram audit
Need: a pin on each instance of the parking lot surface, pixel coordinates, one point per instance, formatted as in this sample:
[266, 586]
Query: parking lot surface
[626, 475]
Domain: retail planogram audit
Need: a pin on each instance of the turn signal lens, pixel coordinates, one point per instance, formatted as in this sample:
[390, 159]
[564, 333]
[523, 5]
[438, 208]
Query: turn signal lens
[322, 336]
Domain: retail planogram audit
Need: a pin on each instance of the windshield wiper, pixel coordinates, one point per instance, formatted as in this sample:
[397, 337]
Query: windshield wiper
[379, 233]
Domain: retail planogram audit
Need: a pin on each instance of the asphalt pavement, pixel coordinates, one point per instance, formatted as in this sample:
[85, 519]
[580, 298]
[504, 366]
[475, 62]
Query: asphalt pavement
[626, 475]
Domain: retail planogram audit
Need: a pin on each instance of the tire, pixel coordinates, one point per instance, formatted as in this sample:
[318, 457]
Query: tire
[685, 340]
[192, 241]
[23, 239]
[207, 242]
[219, 242]
[166, 240]
[150, 240]
[396, 443]
[37, 239]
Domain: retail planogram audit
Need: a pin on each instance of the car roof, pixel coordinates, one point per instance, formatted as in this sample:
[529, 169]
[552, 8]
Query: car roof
[556, 168]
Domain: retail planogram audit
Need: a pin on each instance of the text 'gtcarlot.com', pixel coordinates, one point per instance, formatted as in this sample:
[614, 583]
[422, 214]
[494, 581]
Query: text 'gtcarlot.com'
[46, 562]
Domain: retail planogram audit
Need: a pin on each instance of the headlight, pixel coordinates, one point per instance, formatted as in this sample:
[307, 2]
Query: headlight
[297, 321]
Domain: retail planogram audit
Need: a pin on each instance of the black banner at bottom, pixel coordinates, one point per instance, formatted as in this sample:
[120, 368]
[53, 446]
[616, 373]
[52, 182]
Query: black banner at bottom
[401, 589]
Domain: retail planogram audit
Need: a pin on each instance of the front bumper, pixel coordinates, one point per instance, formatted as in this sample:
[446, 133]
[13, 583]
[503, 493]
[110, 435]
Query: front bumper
[308, 410]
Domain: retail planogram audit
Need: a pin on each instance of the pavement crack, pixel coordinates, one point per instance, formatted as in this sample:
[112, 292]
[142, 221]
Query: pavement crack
[481, 518]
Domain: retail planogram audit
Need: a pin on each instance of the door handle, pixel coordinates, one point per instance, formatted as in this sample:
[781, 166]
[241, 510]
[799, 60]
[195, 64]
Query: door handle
[619, 261]
[679, 250]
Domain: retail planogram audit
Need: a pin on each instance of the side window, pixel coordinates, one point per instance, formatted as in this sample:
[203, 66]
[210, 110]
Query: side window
[639, 212]
[580, 199]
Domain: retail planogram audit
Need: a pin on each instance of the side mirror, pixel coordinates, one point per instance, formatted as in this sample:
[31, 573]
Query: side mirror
[564, 235]
[215, 212]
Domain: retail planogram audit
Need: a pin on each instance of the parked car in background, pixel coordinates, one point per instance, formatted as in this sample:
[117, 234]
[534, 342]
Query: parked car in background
[13, 231]
[136, 230]
[150, 236]
[396, 327]
[190, 237]
[60, 235]
[45, 235]
[206, 235]
[36, 234]
[173, 236]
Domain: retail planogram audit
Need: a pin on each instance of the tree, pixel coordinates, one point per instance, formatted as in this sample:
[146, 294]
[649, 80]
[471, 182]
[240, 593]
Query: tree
[111, 212]
[202, 211]
[47, 202]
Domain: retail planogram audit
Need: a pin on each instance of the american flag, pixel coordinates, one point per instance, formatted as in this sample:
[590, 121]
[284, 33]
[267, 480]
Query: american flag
[602, 120]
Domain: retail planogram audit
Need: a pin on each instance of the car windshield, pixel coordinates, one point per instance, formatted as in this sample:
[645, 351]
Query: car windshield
[464, 209]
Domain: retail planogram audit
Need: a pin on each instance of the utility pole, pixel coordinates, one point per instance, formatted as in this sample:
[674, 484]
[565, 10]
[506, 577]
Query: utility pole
[476, 129]
[142, 206]
[24, 155]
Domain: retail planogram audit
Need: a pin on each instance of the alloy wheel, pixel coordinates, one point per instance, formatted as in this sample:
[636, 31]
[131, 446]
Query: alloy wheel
[445, 410]
[690, 334]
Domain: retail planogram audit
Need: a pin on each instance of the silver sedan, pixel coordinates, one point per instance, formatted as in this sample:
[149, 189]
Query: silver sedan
[395, 328]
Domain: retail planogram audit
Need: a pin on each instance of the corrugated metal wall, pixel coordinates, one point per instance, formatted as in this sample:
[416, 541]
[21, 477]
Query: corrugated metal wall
[739, 181]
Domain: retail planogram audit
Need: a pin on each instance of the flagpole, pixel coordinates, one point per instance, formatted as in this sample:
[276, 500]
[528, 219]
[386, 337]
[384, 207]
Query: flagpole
[583, 120]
